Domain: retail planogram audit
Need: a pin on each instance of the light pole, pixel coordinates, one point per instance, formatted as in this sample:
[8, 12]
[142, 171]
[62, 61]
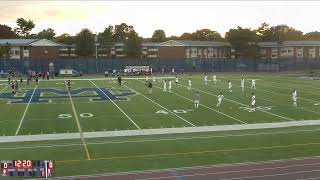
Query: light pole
[97, 44]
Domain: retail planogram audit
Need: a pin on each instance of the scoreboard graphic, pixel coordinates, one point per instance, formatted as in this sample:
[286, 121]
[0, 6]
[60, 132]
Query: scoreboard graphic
[27, 168]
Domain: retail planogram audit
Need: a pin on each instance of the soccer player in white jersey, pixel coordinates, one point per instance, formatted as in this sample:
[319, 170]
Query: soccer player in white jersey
[253, 84]
[165, 86]
[177, 80]
[253, 103]
[154, 79]
[147, 78]
[219, 97]
[214, 78]
[294, 98]
[242, 84]
[170, 86]
[189, 85]
[196, 100]
[229, 86]
[206, 79]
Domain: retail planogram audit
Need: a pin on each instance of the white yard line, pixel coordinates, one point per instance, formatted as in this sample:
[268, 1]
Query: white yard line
[78, 125]
[159, 139]
[4, 88]
[97, 79]
[286, 118]
[207, 107]
[183, 119]
[25, 111]
[122, 133]
[116, 105]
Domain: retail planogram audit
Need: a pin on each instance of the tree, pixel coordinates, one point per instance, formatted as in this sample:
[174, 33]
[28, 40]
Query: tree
[186, 36]
[279, 33]
[133, 44]
[121, 31]
[84, 41]
[206, 35]
[5, 51]
[106, 39]
[243, 40]
[158, 36]
[6, 32]
[46, 34]
[173, 38]
[264, 32]
[24, 27]
[315, 36]
[65, 39]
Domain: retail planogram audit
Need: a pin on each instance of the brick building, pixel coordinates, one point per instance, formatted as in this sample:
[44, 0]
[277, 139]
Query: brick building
[31, 48]
[297, 50]
[194, 49]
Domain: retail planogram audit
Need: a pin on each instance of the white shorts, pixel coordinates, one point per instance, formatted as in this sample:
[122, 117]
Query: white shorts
[253, 103]
[196, 101]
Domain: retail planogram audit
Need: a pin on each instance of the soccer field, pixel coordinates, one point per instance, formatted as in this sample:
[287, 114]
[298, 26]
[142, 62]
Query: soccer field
[101, 127]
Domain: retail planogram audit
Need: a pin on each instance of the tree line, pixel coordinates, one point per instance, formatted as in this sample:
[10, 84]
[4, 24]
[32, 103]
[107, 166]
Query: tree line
[243, 40]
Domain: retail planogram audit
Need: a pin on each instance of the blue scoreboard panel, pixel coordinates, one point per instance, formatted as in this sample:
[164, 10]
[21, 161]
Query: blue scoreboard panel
[27, 168]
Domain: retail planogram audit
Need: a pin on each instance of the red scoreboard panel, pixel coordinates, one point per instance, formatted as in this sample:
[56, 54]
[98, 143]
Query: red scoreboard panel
[27, 168]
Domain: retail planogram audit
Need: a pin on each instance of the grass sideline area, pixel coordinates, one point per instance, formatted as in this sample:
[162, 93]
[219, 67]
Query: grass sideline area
[101, 105]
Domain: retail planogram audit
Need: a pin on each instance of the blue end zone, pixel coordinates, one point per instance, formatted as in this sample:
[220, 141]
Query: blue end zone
[113, 94]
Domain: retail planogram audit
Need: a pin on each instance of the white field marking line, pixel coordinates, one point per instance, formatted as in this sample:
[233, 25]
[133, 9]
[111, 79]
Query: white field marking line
[281, 94]
[273, 175]
[183, 119]
[127, 133]
[242, 104]
[97, 79]
[25, 111]
[78, 124]
[207, 107]
[194, 167]
[295, 82]
[157, 139]
[4, 88]
[281, 104]
[64, 119]
[239, 171]
[310, 110]
[116, 105]
[288, 95]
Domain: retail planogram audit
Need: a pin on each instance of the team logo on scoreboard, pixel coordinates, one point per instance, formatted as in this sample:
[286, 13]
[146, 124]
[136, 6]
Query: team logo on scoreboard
[45, 95]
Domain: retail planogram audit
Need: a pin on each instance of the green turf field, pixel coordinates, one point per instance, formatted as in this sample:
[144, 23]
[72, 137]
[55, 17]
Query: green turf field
[49, 109]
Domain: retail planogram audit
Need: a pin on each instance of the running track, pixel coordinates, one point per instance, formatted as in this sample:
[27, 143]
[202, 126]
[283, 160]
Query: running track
[294, 169]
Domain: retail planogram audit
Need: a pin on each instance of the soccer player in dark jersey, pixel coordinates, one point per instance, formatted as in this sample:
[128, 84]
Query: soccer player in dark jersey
[37, 80]
[12, 88]
[69, 85]
[119, 80]
[150, 87]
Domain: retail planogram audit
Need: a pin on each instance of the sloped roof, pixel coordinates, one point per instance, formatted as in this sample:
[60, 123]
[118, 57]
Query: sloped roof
[151, 44]
[27, 42]
[301, 43]
[289, 43]
[203, 43]
[195, 43]
[17, 42]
